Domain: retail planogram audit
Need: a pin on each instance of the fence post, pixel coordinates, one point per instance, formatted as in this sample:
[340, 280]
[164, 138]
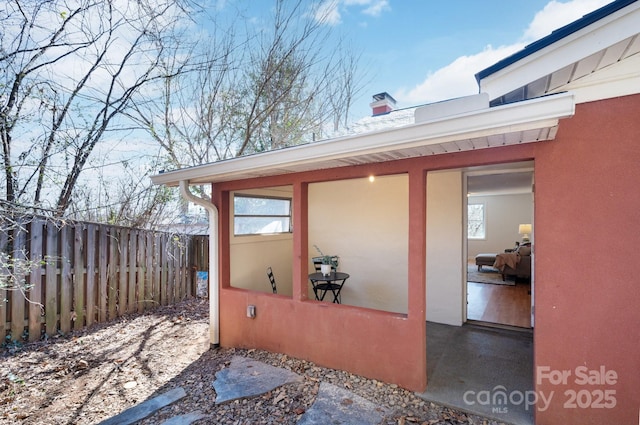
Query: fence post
[103, 272]
[157, 269]
[113, 273]
[164, 272]
[174, 276]
[168, 269]
[35, 279]
[148, 290]
[19, 294]
[185, 266]
[133, 272]
[189, 266]
[51, 280]
[142, 281]
[78, 277]
[123, 246]
[66, 284]
[92, 284]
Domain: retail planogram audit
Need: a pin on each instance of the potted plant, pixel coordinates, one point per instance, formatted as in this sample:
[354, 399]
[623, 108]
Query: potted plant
[327, 262]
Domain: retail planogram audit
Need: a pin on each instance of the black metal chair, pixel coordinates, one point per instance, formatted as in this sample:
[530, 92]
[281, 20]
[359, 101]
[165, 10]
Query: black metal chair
[321, 289]
[333, 283]
[272, 280]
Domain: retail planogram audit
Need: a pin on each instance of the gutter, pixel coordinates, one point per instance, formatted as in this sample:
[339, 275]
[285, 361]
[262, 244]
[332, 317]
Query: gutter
[214, 289]
[520, 116]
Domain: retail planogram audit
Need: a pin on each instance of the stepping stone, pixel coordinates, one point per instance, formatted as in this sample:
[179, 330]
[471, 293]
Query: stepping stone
[336, 406]
[146, 408]
[247, 378]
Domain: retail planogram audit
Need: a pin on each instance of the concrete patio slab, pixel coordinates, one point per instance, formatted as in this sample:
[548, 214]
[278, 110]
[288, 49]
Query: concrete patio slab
[470, 367]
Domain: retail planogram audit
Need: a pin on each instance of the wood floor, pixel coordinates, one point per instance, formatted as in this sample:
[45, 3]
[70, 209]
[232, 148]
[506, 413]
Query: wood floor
[500, 304]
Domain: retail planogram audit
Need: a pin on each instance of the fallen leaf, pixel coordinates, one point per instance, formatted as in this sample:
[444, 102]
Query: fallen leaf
[82, 364]
[279, 398]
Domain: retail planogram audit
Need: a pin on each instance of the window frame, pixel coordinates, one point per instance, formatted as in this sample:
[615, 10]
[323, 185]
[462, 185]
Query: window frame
[484, 221]
[255, 196]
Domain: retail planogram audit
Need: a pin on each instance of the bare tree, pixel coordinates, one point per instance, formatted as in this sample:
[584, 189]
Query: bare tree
[256, 88]
[80, 77]
[190, 116]
[344, 88]
[124, 198]
[69, 71]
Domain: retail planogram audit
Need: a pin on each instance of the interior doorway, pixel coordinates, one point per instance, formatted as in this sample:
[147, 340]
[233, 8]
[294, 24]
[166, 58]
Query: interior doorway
[462, 356]
[499, 202]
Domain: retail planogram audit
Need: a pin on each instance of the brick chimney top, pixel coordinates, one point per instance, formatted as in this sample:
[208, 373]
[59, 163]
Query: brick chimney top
[382, 103]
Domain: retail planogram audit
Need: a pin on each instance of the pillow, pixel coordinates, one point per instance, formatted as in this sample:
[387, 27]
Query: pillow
[524, 250]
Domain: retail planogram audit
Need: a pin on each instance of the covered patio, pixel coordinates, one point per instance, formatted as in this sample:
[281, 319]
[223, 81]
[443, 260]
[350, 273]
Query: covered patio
[395, 235]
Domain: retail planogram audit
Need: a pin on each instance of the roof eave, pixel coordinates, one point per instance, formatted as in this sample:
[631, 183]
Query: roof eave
[522, 116]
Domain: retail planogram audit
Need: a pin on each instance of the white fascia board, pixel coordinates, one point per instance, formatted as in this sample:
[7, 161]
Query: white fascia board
[531, 114]
[601, 34]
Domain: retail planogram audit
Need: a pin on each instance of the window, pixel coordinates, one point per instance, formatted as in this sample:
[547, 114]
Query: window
[260, 215]
[476, 219]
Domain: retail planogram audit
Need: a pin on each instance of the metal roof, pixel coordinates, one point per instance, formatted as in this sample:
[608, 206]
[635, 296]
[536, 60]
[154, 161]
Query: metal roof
[602, 39]
[555, 36]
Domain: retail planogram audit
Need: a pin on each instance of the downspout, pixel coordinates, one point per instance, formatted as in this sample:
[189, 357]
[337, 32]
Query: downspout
[214, 291]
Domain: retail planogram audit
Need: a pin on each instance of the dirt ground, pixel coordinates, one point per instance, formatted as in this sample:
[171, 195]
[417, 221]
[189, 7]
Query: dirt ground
[89, 376]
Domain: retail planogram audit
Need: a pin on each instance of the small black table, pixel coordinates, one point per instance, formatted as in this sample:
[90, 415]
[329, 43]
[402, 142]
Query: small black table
[332, 282]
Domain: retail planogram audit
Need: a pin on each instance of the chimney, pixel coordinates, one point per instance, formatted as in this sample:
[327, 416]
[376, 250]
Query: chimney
[382, 103]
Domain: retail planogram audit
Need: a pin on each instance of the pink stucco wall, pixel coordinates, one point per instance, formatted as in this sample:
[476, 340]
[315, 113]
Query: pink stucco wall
[587, 293]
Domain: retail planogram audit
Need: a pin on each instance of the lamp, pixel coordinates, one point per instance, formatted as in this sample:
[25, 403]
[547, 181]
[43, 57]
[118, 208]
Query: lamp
[524, 230]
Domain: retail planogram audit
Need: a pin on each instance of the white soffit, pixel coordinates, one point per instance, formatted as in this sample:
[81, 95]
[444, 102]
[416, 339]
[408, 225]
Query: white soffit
[619, 79]
[606, 41]
[522, 122]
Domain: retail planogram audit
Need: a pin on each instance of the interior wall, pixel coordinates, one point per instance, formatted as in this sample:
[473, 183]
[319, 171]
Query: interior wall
[445, 247]
[363, 222]
[503, 215]
[250, 255]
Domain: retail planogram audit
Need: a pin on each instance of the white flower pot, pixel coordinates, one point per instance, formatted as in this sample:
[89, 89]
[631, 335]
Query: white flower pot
[325, 269]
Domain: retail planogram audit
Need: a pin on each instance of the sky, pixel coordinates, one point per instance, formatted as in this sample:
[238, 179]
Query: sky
[423, 51]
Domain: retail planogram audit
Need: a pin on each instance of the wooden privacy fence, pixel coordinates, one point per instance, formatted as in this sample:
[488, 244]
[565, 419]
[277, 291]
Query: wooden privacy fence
[77, 274]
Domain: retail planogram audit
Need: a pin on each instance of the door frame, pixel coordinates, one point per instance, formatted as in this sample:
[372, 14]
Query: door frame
[500, 169]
